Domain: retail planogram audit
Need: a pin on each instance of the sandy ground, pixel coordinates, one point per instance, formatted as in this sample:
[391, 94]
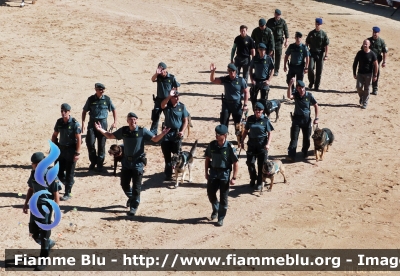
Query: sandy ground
[54, 51]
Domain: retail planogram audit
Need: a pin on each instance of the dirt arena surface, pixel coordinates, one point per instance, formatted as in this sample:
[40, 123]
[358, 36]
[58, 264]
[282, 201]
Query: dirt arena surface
[54, 51]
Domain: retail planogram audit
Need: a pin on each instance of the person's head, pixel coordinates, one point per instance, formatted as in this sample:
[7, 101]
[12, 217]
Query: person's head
[298, 37]
[36, 158]
[232, 70]
[366, 44]
[65, 110]
[243, 30]
[175, 99]
[262, 49]
[99, 87]
[221, 132]
[131, 119]
[262, 23]
[277, 14]
[258, 109]
[301, 87]
[318, 23]
[163, 68]
[375, 32]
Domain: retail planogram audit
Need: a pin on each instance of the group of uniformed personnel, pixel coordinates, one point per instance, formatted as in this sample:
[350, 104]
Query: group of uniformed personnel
[221, 160]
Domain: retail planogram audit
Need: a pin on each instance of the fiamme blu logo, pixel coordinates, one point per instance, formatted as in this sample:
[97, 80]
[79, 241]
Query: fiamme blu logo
[41, 173]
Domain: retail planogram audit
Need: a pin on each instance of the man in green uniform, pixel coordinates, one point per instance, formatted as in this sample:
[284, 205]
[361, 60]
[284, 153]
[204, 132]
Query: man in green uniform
[263, 70]
[98, 106]
[134, 160]
[303, 100]
[41, 236]
[318, 41]
[70, 147]
[279, 28]
[258, 127]
[299, 58]
[263, 34]
[378, 46]
[176, 119]
[220, 158]
[165, 83]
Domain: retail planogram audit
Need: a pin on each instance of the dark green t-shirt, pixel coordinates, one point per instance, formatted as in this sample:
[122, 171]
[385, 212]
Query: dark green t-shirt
[165, 85]
[262, 66]
[98, 107]
[258, 128]
[297, 53]
[222, 159]
[67, 131]
[233, 88]
[317, 40]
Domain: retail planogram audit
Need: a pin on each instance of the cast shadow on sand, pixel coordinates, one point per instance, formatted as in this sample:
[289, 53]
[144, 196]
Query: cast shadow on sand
[365, 7]
[75, 208]
[146, 219]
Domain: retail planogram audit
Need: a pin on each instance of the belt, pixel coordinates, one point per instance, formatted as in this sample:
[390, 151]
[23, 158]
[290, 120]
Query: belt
[260, 79]
[66, 147]
[231, 101]
[130, 158]
[219, 169]
[257, 139]
[95, 120]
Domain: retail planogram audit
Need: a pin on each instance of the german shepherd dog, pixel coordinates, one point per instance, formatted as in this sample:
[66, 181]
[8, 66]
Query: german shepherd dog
[271, 106]
[270, 168]
[118, 153]
[323, 138]
[239, 130]
[182, 162]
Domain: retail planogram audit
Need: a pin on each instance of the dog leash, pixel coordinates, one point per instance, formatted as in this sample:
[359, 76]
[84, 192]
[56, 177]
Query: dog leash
[110, 130]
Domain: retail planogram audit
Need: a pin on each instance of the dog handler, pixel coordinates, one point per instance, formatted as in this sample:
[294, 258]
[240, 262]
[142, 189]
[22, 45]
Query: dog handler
[42, 237]
[133, 137]
[259, 128]
[301, 118]
[165, 83]
[176, 118]
[220, 158]
[70, 147]
[98, 106]
[263, 67]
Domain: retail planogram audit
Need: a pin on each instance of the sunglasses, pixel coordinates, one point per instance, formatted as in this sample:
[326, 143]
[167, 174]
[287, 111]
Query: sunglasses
[64, 111]
[217, 134]
[257, 109]
[231, 71]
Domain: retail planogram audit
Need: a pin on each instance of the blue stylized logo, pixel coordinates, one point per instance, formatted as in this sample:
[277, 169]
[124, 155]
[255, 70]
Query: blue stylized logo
[40, 174]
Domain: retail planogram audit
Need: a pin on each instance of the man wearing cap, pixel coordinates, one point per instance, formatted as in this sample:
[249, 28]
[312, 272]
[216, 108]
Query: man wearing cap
[367, 63]
[264, 34]
[244, 47]
[234, 87]
[299, 58]
[134, 158]
[41, 236]
[220, 159]
[258, 128]
[165, 83]
[70, 147]
[378, 46]
[318, 41]
[301, 119]
[98, 106]
[279, 28]
[263, 67]
[176, 119]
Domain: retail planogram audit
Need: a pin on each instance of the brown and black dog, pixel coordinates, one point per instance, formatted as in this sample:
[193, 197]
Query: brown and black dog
[271, 106]
[323, 138]
[270, 168]
[182, 162]
[117, 151]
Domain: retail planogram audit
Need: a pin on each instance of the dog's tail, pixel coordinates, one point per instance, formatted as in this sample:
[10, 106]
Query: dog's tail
[193, 149]
[283, 100]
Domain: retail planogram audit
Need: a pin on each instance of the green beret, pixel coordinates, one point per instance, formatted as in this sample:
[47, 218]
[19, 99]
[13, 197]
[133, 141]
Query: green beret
[277, 11]
[301, 83]
[259, 105]
[262, 22]
[232, 66]
[66, 106]
[37, 157]
[99, 85]
[131, 114]
[221, 129]
[163, 65]
[298, 34]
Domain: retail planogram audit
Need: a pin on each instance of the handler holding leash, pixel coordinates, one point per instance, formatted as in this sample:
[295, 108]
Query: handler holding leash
[301, 118]
[263, 66]
[165, 83]
[134, 156]
[176, 119]
[234, 87]
[220, 156]
[70, 147]
[259, 128]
